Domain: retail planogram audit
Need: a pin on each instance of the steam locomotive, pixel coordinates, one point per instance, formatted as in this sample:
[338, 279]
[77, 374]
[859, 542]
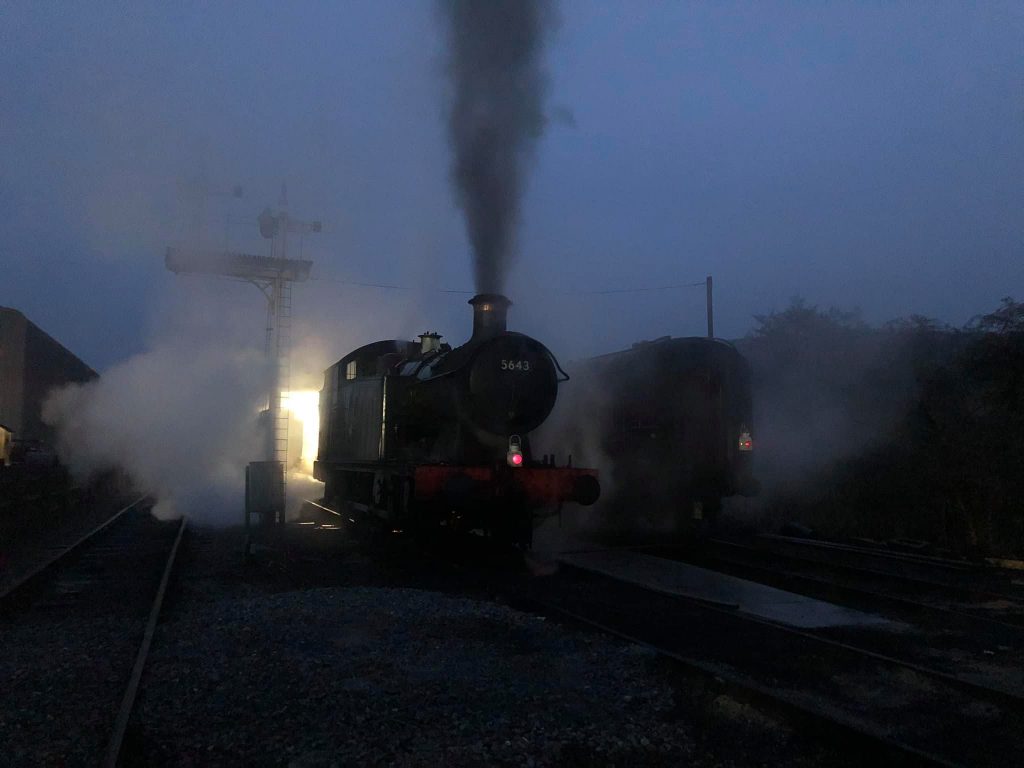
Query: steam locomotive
[423, 436]
[669, 422]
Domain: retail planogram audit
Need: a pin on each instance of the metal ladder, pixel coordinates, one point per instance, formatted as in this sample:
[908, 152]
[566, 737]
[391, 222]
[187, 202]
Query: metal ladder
[282, 343]
[282, 355]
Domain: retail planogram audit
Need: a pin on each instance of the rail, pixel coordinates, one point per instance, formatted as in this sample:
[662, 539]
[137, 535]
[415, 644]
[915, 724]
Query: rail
[38, 571]
[128, 700]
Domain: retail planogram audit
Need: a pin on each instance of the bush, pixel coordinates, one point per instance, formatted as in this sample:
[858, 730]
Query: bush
[909, 430]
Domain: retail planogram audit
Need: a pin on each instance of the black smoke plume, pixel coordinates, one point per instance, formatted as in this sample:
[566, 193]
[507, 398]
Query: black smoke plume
[496, 117]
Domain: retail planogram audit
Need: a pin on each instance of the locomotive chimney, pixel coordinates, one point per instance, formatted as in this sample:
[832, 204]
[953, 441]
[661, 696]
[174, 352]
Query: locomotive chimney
[490, 311]
[430, 342]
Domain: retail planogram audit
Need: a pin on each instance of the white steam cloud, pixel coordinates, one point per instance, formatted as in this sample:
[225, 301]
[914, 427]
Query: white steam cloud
[180, 419]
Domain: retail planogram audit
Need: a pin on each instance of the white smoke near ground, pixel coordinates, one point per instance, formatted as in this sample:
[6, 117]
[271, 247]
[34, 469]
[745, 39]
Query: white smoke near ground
[180, 419]
[576, 430]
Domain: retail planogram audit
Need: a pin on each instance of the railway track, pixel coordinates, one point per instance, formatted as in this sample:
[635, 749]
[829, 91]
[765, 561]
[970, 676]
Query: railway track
[31, 563]
[990, 603]
[80, 626]
[964, 580]
[983, 612]
[862, 744]
[880, 706]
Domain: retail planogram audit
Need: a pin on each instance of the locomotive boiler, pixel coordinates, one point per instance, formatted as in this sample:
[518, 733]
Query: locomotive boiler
[421, 436]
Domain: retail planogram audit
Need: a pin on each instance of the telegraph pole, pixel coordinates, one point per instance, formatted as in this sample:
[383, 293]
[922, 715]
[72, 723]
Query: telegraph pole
[711, 310]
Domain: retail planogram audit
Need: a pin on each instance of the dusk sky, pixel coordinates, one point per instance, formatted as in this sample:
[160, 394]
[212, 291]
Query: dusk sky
[863, 155]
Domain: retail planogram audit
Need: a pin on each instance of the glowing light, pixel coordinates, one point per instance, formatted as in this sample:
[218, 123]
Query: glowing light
[514, 457]
[304, 407]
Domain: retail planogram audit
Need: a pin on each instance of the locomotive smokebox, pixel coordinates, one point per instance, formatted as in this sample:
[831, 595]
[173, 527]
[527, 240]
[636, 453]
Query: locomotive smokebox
[490, 313]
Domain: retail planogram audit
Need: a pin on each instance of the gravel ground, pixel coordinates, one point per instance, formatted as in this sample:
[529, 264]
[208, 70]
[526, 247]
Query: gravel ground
[344, 655]
[61, 680]
[338, 656]
[357, 676]
[69, 642]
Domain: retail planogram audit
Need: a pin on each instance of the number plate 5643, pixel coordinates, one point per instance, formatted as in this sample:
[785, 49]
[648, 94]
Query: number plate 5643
[515, 365]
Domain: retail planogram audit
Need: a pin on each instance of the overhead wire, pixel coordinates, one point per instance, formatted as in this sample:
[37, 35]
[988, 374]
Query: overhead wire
[642, 289]
[600, 292]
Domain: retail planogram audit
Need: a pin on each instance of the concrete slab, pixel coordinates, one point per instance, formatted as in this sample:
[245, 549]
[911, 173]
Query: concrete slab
[672, 577]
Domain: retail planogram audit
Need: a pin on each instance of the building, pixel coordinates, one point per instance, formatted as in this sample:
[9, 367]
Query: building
[32, 364]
